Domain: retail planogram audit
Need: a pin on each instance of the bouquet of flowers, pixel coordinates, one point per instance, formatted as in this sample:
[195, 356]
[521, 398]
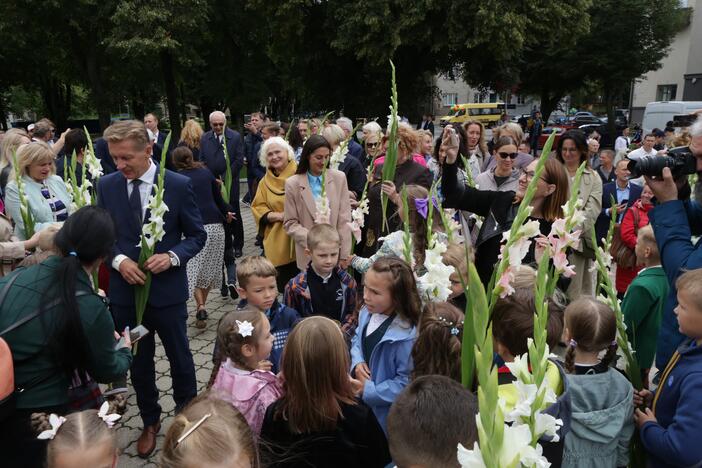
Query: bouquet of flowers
[152, 232]
[390, 162]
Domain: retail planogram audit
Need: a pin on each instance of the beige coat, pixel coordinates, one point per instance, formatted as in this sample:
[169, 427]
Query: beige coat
[300, 210]
[10, 248]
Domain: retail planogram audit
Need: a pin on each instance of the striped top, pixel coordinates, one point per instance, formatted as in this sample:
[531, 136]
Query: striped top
[57, 206]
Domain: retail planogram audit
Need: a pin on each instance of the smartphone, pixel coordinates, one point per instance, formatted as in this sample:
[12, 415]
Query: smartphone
[247, 118]
[135, 335]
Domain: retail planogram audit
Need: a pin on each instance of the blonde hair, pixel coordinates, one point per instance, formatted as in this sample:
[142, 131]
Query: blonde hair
[274, 141]
[592, 326]
[230, 338]
[10, 143]
[322, 233]
[408, 140]
[36, 152]
[647, 237]
[690, 282]
[372, 128]
[81, 431]
[133, 130]
[254, 266]
[315, 363]
[191, 133]
[222, 438]
[334, 134]
[455, 256]
[511, 129]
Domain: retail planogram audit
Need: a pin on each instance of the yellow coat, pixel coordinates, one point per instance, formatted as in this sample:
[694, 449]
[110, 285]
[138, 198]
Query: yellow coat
[270, 196]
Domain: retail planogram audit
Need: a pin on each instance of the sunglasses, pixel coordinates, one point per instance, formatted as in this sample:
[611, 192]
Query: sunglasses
[507, 155]
[372, 145]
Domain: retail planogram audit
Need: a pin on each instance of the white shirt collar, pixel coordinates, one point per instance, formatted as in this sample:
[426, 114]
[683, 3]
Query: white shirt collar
[148, 176]
[324, 278]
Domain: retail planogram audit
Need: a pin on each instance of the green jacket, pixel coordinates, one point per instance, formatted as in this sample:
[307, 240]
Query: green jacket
[29, 342]
[643, 307]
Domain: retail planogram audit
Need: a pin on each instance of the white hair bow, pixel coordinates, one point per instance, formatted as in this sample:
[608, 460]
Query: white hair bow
[109, 419]
[245, 328]
[55, 422]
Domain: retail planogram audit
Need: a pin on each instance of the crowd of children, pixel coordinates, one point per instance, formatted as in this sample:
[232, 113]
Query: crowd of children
[316, 382]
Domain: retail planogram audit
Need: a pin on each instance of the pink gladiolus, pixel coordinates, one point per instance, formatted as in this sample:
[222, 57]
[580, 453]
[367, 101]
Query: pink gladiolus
[504, 283]
[560, 262]
[355, 230]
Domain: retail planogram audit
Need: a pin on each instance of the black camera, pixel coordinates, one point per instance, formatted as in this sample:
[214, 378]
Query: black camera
[680, 160]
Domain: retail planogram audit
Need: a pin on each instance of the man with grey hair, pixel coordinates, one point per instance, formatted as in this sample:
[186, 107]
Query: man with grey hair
[674, 219]
[212, 155]
[354, 149]
[44, 130]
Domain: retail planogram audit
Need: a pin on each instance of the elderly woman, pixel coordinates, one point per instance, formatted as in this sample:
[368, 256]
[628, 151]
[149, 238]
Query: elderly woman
[572, 151]
[355, 173]
[372, 143]
[14, 138]
[503, 177]
[307, 192]
[46, 195]
[407, 172]
[514, 131]
[269, 204]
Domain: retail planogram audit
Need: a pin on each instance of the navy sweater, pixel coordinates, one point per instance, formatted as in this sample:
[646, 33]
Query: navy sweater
[208, 195]
[674, 439]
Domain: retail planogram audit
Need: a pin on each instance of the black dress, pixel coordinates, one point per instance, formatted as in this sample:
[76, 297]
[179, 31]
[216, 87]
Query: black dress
[357, 441]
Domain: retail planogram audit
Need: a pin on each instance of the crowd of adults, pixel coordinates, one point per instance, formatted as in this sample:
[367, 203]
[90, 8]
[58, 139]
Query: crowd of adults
[287, 182]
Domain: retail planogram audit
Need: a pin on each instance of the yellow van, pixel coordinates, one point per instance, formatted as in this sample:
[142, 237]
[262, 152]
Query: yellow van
[486, 112]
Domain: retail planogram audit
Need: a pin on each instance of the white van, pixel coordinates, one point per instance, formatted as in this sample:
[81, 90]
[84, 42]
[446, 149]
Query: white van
[657, 114]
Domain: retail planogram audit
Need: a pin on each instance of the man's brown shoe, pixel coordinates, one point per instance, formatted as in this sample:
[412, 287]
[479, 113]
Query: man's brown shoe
[147, 440]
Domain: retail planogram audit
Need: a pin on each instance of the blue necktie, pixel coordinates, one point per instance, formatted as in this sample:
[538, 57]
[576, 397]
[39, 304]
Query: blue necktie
[135, 201]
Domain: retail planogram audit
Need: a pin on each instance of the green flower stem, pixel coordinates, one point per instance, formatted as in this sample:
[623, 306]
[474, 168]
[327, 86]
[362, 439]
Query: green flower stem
[25, 212]
[407, 236]
[227, 185]
[390, 162]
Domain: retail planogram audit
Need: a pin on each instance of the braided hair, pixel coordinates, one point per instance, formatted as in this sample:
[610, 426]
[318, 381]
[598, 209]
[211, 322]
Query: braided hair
[592, 326]
[437, 349]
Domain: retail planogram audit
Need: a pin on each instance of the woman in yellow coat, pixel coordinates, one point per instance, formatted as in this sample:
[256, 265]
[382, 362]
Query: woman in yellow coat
[279, 160]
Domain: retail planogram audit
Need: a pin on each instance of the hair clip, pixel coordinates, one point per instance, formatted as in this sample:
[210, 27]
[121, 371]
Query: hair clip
[245, 328]
[109, 419]
[193, 429]
[56, 422]
[455, 331]
[573, 343]
[73, 253]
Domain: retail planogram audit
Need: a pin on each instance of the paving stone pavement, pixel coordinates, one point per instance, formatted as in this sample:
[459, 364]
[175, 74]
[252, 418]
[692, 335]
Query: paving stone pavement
[201, 345]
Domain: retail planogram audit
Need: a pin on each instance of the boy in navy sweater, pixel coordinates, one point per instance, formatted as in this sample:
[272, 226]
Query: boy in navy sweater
[324, 288]
[671, 423]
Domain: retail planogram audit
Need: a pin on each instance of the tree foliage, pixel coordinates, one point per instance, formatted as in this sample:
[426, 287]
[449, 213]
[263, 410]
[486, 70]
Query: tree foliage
[295, 57]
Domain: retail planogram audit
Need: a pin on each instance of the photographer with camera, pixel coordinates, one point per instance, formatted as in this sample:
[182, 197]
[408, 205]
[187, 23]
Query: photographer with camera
[667, 176]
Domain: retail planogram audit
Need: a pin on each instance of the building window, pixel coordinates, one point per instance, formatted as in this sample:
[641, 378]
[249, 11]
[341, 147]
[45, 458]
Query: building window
[493, 97]
[476, 97]
[521, 99]
[449, 99]
[666, 92]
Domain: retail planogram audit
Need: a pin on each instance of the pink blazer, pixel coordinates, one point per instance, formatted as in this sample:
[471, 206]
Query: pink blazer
[300, 210]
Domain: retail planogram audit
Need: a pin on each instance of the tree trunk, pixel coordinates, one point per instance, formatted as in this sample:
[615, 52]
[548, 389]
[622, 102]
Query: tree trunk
[171, 93]
[548, 104]
[206, 108]
[57, 100]
[609, 92]
[3, 113]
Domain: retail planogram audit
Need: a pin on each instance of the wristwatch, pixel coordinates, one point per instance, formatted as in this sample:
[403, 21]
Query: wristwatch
[174, 259]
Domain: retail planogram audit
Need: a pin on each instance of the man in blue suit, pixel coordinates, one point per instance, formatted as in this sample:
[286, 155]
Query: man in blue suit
[212, 155]
[354, 149]
[624, 192]
[125, 194]
[159, 139]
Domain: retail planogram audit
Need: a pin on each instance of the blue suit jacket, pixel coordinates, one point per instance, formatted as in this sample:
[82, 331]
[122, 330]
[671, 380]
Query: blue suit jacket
[674, 223]
[184, 236]
[355, 149]
[610, 190]
[212, 155]
[103, 154]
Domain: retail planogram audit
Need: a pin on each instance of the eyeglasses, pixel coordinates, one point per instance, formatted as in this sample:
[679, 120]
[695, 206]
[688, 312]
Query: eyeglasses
[507, 155]
[530, 175]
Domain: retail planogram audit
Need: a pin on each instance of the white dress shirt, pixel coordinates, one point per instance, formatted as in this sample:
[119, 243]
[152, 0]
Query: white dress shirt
[145, 190]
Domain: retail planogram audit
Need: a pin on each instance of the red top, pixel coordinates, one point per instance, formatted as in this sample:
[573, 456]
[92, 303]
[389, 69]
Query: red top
[625, 276]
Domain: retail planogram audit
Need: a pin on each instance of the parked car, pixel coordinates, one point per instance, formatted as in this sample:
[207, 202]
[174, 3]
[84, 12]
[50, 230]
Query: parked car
[547, 132]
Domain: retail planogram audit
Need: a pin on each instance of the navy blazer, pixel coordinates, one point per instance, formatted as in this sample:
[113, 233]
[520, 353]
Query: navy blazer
[212, 153]
[103, 154]
[184, 236]
[610, 190]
